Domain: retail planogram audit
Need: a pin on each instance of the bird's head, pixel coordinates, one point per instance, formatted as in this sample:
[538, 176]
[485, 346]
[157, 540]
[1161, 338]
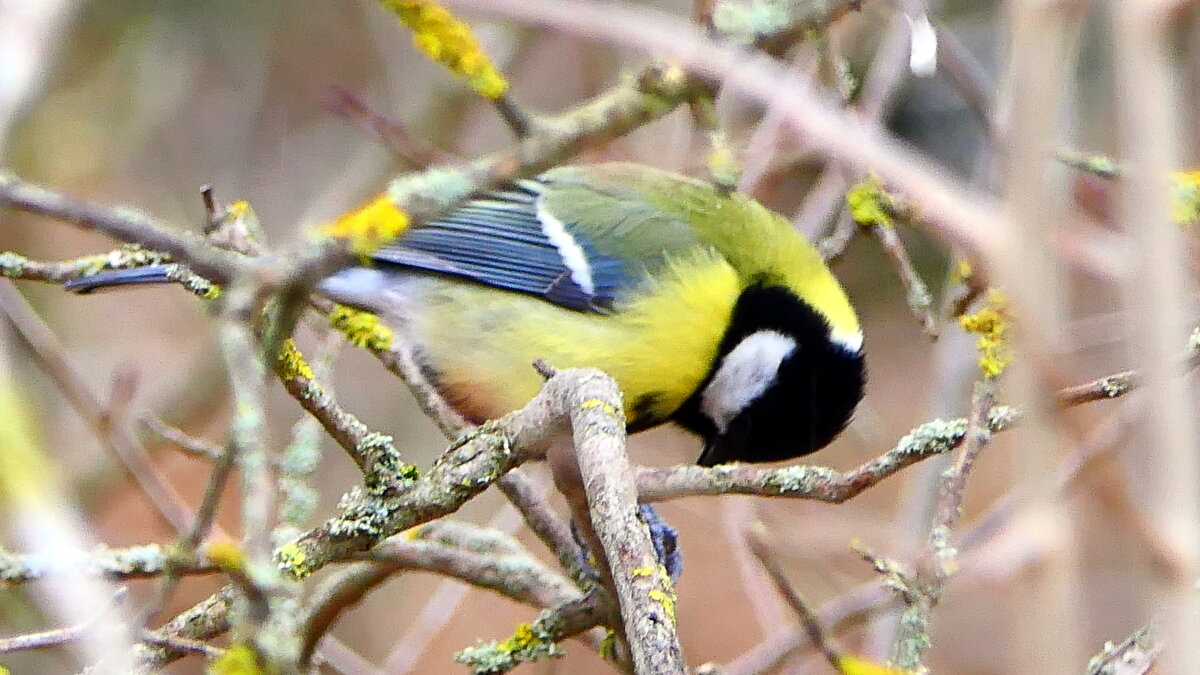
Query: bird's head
[784, 384]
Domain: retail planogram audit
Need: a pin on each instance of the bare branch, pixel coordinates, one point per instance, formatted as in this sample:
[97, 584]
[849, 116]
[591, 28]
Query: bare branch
[916, 293]
[387, 507]
[923, 590]
[543, 521]
[133, 562]
[644, 592]
[755, 536]
[60, 636]
[814, 482]
[539, 639]
[52, 357]
[1135, 655]
[125, 225]
[519, 120]
[390, 133]
[515, 575]
[197, 447]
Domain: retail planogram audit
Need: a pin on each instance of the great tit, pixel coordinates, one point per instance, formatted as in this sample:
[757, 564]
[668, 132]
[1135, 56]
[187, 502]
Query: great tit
[709, 310]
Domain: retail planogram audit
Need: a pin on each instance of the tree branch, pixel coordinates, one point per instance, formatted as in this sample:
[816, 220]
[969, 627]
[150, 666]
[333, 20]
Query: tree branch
[125, 225]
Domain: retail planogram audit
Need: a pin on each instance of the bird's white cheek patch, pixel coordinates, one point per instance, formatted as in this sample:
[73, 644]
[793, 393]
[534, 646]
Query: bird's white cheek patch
[745, 374]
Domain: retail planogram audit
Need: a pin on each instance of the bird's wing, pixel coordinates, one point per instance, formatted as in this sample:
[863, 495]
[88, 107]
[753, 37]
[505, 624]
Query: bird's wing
[566, 241]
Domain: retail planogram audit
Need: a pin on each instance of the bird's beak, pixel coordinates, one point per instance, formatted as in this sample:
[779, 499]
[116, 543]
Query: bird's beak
[716, 451]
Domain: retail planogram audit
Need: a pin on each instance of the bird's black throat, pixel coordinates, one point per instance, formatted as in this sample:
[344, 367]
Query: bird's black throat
[817, 388]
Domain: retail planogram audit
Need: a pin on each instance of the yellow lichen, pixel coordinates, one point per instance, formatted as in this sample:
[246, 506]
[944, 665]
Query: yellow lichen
[869, 204]
[597, 403]
[1185, 198]
[722, 163]
[369, 227]
[528, 643]
[238, 208]
[225, 555]
[362, 329]
[993, 326]
[522, 639]
[608, 646]
[415, 533]
[291, 560]
[667, 600]
[290, 363]
[239, 659]
[450, 42]
[853, 665]
[643, 572]
[963, 272]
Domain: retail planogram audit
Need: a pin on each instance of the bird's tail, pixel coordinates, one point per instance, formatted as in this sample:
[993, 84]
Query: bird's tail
[153, 274]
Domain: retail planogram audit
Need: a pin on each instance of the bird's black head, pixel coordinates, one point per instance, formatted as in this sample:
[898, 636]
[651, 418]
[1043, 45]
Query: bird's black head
[781, 387]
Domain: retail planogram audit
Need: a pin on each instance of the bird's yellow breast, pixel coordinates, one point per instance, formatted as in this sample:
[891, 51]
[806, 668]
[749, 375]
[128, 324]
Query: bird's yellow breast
[658, 344]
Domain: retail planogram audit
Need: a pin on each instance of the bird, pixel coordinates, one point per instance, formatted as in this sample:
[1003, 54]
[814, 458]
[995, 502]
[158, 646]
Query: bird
[709, 310]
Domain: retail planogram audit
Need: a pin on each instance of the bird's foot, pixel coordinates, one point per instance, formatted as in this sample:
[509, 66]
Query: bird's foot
[664, 538]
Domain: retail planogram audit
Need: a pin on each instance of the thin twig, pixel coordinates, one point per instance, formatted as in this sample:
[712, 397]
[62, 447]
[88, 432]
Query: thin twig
[181, 644]
[916, 293]
[390, 133]
[1102, 389]
[247, 442]
[443, 604]
[399, 360]
[889, 70]
[190, 541]
[339, 656]
[197, 447]
[124, 224]
[516, 117]
[60, 636]
[755, 537]
[969, 77]
[542, 520]
[923, 590]
[552, 626]
[130, 562]
[1135, 655]
[949, 507]
[814, 482]
[777, 649]
[374, 453]
[517, 576]
[52, 357]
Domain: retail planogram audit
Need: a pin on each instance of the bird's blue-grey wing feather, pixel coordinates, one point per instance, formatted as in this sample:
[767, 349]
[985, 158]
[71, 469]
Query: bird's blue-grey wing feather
[501, 240]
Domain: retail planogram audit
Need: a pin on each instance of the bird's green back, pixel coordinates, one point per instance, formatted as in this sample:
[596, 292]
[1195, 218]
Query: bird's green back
[637, 213]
